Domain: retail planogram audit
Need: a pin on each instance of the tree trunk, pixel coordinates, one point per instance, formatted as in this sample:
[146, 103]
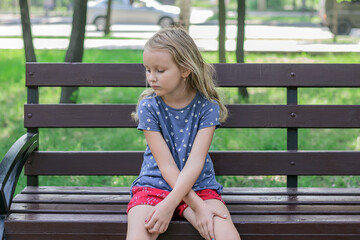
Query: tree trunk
[26, 28]
[108, 18]
[240, 56]
[261, 5]
[76, 47]
[335, 20]
[303, 5]
[222, 31]
[185, 12]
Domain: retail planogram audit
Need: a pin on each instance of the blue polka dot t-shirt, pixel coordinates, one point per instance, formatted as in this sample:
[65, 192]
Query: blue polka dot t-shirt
[179, 128]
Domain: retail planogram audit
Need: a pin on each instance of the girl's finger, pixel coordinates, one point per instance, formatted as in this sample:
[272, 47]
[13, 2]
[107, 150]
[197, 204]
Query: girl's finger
[149, 216]
[155, 228]
[202, 232]
[220, 214]
[163, 228]
[208, 237]
[211, 230]
[150, 221]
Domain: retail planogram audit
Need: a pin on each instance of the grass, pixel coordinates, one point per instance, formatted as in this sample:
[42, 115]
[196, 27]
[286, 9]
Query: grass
[13, 97]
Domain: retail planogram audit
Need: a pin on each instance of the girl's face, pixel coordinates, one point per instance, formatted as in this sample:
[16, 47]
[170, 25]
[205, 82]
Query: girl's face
[162, 74]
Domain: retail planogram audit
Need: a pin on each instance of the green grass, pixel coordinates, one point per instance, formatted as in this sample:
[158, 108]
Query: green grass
[12, 68]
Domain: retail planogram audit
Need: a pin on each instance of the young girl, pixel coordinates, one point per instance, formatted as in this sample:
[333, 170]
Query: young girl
[178, 116]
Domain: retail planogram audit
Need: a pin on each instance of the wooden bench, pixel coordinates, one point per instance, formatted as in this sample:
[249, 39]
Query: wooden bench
[48, 212]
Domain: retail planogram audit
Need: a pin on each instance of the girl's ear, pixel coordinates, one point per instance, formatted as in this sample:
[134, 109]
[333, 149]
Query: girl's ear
[185, 72]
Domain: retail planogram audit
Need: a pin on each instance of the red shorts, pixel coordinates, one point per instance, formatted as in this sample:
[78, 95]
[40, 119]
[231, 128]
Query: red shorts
[153, 196]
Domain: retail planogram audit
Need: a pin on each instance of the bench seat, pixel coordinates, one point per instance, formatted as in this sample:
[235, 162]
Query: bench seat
[258, 213]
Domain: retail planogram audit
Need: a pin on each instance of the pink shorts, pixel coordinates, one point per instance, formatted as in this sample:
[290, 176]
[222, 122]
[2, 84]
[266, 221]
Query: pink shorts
[153, 196]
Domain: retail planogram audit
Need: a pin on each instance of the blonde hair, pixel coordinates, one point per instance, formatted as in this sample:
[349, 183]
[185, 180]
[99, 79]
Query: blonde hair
[186, 55]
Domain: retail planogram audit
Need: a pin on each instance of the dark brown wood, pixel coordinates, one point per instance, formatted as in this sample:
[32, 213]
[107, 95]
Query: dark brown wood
[38, 236]
[229, 199]
[246, 224]
[85, 74]
[234, 209]
[241, 116]
[226, 163]
[305, 191]
[229, 75]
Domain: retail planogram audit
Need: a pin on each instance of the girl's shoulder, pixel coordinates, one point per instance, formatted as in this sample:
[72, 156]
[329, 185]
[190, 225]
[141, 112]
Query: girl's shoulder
[208, 102]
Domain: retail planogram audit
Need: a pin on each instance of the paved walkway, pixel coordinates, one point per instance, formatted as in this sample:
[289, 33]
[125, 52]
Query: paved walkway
[259, 38]
[205, 45]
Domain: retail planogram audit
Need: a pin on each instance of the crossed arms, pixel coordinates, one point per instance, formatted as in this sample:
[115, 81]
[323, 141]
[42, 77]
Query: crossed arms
[180, 181]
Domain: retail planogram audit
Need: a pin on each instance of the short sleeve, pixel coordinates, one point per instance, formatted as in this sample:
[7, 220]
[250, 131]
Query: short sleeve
[210, 115]
[148, 119]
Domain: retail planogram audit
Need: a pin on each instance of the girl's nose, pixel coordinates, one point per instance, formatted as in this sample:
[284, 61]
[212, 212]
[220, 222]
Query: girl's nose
[151, 78]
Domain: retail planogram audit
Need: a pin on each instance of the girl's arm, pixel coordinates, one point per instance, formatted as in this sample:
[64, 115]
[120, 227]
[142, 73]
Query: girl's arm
[181, 182]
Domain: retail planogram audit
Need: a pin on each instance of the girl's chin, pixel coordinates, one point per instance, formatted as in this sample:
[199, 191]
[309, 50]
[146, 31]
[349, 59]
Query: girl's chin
[158, 92]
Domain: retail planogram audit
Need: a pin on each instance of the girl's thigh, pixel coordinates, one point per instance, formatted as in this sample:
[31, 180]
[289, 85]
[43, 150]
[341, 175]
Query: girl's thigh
[136, 223]
[223, 228]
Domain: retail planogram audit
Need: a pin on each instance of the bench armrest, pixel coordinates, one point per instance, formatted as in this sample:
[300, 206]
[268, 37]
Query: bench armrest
[11, 167]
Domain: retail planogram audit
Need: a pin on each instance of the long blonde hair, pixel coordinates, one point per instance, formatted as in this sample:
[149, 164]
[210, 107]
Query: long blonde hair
[186, 55]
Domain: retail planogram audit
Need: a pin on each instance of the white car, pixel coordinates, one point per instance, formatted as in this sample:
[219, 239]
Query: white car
[132, 11]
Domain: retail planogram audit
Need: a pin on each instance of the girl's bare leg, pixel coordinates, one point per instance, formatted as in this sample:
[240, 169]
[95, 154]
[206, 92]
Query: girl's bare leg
[224, 229]
[136, 224]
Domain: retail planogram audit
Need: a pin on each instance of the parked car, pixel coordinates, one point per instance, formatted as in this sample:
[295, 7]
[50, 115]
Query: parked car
[132, 11]
[348, 15]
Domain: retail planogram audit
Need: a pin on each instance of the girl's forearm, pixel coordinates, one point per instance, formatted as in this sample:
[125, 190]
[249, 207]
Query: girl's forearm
[191, 198]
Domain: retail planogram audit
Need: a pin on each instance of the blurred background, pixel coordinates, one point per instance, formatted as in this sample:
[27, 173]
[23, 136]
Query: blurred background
[243, 31]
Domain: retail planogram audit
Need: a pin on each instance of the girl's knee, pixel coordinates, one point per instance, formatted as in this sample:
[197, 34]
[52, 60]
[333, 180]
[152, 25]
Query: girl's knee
[140, 235]
[233, 235]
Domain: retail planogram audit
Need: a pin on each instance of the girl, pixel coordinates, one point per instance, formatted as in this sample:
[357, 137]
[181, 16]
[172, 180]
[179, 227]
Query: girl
[178, 115]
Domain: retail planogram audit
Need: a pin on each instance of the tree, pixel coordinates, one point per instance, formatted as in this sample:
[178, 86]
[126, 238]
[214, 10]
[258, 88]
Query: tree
[261, 5]
[240, 56]
[335, 20]
[76, 47]
[26, 28]
[222, 31]
[303, 5]
[108, 18]
[185, 11]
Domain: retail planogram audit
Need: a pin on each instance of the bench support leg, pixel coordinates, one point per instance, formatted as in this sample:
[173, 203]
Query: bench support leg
[33, 181]
[2, 227]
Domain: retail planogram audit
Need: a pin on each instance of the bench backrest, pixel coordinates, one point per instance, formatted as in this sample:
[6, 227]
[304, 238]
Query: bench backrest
[290, 116]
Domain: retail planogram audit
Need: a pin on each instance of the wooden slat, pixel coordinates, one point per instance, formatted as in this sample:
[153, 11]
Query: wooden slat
[46, 236]
[241, 116]
[85, 74]
[234, 209]
[229, 75]
[305, 191]
[65, 236]
[230, 200]
[246, 224]
[225, 162]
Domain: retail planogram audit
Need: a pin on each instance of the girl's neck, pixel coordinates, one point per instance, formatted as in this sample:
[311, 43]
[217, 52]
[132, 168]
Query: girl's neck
[180, 101]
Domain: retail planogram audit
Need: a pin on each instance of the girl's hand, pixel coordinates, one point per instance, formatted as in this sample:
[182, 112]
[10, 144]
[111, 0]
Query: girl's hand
[205, 220]
[159, 218]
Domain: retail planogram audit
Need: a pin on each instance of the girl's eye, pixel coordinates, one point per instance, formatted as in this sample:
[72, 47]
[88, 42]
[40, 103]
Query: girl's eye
[161, 71]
